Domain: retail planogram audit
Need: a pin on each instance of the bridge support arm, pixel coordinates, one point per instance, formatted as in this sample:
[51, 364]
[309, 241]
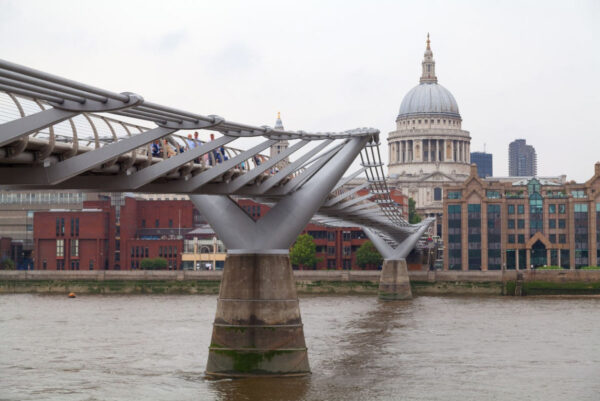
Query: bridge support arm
[258, 328]
[394, 283]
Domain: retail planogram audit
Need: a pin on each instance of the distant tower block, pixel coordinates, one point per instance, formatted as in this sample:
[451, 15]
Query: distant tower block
[522, 159]
[281, 145]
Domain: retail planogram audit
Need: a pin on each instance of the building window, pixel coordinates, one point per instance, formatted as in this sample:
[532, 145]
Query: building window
[562, 223]
[454, 237]
[331, 235]
[44, 264]
[75, 248]
[330, 250]
[552, 223]
[57, 227]
[146, 252]
[581, 207]
[511, 224]
[60, 247]
[91, 264]
[521, 238]
[72, 228]
[520, 223]
[156, 223]
[493, 194]
[143, 223]
[552, 238]
[511, 209]
[511, 238]
[562, 238]
[551, 209]
[521, 209]
[562, 208]
[437, 194]
[170, 223]
[454, 194]
[117, 256]
[578, 194]
[474, 236]
[62, 226]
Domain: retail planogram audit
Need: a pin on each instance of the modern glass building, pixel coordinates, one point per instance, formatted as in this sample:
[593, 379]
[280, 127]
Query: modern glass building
[528, 223]
[484, 163]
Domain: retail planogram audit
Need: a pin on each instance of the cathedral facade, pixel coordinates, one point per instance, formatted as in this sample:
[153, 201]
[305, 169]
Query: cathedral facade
[429, 148]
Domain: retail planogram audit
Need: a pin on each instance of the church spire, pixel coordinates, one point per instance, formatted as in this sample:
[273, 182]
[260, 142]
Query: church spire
[428, 74]
[278, 122]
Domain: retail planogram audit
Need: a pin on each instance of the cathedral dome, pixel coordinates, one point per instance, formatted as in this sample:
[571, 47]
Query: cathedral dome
[429, 98]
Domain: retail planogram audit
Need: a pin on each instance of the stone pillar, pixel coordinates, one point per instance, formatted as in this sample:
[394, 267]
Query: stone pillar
[437, 150]
[394, 283]
[558, 255]
[517, 258]
[258, 329]
[528, 258]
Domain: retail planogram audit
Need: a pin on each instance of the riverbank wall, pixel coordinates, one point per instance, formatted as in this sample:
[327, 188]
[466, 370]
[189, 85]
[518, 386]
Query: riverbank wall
[535, 282]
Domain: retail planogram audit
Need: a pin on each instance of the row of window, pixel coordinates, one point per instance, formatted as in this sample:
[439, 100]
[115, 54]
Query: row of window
[40, 197]
[493, 194]
[60, 226]
[139, 252]
[60, 248]
[157, 223]
[427, 121]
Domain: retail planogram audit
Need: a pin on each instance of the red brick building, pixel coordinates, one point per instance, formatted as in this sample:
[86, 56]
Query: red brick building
[118, 233]
[111, 234]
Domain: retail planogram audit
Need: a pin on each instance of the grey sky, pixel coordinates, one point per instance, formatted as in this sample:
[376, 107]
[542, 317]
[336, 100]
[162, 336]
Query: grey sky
[522, 69]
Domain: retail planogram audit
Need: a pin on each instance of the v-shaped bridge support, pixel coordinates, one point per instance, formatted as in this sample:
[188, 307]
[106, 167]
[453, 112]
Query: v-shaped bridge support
[394, 283]
[258, 329]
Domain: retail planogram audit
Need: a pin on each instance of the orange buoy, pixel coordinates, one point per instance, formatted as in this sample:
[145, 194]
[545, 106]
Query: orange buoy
[71, 295]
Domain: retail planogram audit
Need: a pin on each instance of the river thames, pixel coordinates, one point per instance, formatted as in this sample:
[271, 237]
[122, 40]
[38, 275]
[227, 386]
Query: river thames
[430, 348]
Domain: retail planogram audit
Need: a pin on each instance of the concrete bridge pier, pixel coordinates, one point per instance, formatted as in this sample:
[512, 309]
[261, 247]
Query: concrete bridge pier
[394, 283]
[258, 329]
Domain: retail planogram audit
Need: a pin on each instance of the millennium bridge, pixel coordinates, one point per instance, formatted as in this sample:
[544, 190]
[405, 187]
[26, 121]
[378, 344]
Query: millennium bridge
[58, 134]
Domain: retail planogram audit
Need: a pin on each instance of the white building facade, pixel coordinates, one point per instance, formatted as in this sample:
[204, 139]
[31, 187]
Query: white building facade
[429, 148]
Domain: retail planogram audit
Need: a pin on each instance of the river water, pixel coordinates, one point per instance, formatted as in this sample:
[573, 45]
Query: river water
[430, 348]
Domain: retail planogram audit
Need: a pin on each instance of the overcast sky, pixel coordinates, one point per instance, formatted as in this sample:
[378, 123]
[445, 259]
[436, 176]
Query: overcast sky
[522, 69]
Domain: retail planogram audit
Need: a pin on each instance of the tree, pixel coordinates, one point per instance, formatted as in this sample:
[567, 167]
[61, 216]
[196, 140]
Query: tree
[413, 217]
[153, 264]
[304, 251]
[367, 255]
[7, 264]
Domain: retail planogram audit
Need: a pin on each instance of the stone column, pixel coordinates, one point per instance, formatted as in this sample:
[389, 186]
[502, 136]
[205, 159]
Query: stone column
[592, 248]
[484, 236]
[558, 255]
[548, 257]
[394, 283]
[517, 258]
[257, 328]
[437, 150]
[464, 236]
[528, 258]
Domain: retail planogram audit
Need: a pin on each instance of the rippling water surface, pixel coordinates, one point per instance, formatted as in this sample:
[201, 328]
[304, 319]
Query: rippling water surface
[155, 348]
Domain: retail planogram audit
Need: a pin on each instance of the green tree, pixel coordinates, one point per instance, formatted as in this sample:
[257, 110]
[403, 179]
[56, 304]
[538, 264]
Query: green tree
[367, 255]
[304, 251]
[413, 217]
[7, 264]
[153, 264]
